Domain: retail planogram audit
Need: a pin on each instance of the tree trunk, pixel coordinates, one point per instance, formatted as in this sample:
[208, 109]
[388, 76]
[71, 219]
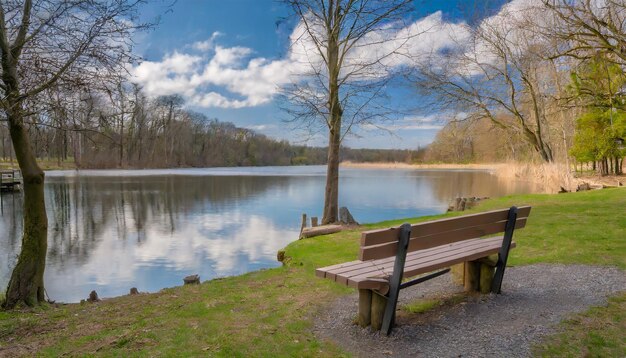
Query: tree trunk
[331, 194]
[335, 112]
[26, 284]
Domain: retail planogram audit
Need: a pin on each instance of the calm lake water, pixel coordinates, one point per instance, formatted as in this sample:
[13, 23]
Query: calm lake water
[111, 230]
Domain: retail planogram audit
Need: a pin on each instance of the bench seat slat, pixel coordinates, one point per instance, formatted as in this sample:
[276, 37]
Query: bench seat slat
[364, 282]
[372, 274]
[381, 236]
[382, 268]
[331, 271]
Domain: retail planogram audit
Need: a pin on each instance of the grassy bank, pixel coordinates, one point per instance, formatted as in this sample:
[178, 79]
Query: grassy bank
[270, 312]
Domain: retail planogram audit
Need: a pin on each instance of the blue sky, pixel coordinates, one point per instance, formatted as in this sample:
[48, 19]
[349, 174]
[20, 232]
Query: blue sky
[198, 41]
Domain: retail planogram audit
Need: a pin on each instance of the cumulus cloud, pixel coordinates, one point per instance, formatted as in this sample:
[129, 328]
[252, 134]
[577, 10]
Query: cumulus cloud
[207, 44]
[228, 78]
[212, 75]
[513, 24]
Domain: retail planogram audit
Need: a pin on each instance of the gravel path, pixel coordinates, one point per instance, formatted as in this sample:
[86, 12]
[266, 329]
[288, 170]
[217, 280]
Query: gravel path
[534, 298]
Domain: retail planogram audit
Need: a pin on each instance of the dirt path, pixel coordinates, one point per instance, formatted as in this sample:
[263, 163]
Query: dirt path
[535, 298]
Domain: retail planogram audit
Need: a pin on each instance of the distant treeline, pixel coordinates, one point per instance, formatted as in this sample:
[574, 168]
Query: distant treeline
[134, 132]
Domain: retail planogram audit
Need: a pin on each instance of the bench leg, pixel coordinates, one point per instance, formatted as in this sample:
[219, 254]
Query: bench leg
[396, 279]
[503, 255]
[379, 303]
[365, 308]
[458, 273]
[486, 277]
[472, 276]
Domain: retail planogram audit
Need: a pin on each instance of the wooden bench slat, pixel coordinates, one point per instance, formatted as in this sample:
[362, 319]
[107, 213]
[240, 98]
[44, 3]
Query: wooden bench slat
[331, 271]
[423, 242]
[387, 263]
[442, 251]
[411, 271]
[421, 268]
[435, 263]
[381, 236]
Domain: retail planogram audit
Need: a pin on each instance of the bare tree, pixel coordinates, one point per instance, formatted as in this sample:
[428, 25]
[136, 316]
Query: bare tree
[346, 57]
[585, 27]
[495, 69]
[45, 43]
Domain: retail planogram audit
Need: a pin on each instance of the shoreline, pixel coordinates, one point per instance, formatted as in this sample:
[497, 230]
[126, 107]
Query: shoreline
[400, 165]
[552, 177]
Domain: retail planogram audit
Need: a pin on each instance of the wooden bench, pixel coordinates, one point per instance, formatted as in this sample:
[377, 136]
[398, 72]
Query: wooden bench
[389, 256]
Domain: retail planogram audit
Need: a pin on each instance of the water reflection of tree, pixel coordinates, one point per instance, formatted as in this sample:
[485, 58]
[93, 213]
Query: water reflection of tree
[86, 210]
[448, 185]
[11, 228]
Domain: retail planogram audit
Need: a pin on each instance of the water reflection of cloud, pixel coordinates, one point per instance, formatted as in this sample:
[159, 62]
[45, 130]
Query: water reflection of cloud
[115, 262]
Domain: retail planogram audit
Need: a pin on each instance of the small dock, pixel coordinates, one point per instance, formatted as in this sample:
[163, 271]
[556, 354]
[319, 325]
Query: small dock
[10, 180]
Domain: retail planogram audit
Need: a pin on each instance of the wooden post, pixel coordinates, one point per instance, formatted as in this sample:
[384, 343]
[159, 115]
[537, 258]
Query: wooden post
[458, 273]
[303, 223]
[472, 276]
[486, 277]
[313, 221]
[1, 201]
[379, 302]
[365, 308]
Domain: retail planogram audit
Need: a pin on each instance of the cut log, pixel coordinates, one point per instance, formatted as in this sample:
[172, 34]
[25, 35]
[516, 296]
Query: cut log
[314, 222]
[472, 276]
[303, 222]
[379, 303]
[192, 280]
[365, 308]
[320, 230]
[486, 277]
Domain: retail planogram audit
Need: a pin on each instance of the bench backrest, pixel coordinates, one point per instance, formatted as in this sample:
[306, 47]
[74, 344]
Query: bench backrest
[378, 244]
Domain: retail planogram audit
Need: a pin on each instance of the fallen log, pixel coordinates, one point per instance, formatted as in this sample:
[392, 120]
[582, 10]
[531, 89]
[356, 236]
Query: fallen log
[319, 230]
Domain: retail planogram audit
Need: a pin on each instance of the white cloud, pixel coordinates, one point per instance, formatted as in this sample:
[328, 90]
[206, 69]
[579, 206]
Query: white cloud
[511, 24]
[207, 44]
[233, 77]
[429, 122]
[261, 127]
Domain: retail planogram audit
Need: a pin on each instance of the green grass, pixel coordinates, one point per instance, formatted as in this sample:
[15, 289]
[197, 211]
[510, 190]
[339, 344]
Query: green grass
[270, 312]
[600, 332]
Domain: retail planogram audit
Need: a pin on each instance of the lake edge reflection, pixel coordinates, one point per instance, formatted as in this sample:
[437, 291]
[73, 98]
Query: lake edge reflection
[112, 232]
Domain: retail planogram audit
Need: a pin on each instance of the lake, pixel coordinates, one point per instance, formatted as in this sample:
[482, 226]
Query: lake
[110, 230]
